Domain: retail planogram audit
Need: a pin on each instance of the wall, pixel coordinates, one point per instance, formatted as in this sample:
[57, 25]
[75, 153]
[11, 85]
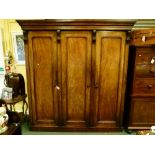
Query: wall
[9, 26]
[2, 66]
[14, 27]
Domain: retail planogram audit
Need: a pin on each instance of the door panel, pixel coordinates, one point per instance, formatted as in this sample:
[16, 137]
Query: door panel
[109, 75]
[42, 60]
[76, 79]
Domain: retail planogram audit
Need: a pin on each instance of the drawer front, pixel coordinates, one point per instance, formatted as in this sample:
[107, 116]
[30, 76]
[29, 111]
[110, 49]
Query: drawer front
[144, 37]
[145, 71]
[145, 56]
[144, 86]
[142, 112]
[144, 40]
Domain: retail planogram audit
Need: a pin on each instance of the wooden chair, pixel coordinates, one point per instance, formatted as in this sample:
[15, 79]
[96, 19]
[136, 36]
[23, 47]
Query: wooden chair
[14, 100]
[17, 83]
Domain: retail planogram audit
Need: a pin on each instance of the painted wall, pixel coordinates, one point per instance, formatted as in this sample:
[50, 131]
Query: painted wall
[2, 66]
[14, 27]
[10, 26]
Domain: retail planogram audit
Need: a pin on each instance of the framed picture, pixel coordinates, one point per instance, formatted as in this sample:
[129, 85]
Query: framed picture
[18, 42]
[6, 93]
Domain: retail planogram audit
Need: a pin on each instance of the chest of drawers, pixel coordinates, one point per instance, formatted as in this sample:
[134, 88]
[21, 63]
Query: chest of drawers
[140, 100]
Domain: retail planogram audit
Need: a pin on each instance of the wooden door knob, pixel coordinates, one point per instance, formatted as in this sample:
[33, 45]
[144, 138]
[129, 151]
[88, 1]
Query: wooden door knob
[96, 86]
[57, 87]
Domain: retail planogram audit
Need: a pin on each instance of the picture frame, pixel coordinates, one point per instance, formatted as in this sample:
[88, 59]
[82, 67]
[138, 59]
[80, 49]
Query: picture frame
[18, 42]
[7, 93]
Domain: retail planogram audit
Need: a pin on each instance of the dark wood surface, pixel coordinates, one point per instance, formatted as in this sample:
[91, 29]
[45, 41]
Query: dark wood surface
[77, 24]
[142, 113]
[76, 76]
[140, 99]
[42, 71]
[19, 98]
[13, 129]
[143, 37]
[15, 100]
[109, 76]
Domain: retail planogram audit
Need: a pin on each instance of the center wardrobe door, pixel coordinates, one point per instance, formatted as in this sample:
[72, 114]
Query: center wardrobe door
[76, 77]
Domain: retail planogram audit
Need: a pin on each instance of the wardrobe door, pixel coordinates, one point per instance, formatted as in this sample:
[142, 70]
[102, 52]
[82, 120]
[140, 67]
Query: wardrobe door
[76, 77]
[109, 76]
[42, 67]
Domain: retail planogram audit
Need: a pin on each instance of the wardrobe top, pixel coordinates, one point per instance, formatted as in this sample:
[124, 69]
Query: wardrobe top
[78, 24]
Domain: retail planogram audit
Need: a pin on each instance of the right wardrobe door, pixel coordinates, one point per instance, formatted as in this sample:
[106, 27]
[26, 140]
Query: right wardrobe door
[109, 79]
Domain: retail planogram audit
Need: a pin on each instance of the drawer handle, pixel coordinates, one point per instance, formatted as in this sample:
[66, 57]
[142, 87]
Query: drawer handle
[143, 39]
[149, 86]
[96, 86]
[152, 60]
[151, 71]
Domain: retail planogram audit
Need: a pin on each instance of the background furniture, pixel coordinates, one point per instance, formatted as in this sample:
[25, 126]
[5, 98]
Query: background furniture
[140, 101]
[19, 98]
[17, 83]
[76, 72]
[13, 129]
[14, 121]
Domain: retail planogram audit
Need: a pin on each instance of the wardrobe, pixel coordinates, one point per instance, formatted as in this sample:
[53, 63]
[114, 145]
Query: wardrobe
[76, 72]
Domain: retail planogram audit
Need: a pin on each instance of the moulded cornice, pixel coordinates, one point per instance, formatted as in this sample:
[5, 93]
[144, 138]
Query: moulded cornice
[78, 24]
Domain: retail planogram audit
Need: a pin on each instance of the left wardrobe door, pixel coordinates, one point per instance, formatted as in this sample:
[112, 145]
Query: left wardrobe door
[42, 57]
